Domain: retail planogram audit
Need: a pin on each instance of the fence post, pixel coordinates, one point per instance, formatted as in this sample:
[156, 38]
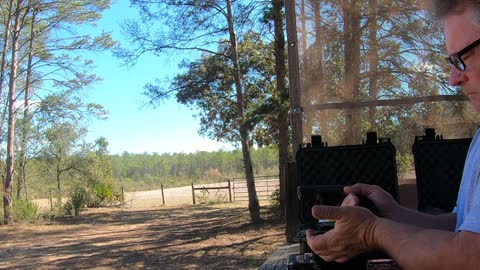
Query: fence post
[268, 190]
[193, 193]
[233, 187]
[163, 196]
[229, 190]
[51, 200]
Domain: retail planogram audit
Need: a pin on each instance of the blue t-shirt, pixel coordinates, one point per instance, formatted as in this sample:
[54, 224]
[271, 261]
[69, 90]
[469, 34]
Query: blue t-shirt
[468, 201]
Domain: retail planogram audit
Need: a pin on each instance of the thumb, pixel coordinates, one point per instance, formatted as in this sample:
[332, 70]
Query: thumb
[327, 212]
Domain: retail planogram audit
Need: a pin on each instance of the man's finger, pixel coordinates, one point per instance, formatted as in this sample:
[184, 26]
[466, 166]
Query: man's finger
[351, 200]
[360, 189]
[327, 212]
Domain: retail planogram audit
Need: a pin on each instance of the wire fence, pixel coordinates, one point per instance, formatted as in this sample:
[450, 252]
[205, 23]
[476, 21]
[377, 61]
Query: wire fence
[234, 190]
[264, 185]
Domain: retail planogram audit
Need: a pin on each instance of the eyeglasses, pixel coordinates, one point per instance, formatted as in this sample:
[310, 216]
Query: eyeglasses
[456, 58]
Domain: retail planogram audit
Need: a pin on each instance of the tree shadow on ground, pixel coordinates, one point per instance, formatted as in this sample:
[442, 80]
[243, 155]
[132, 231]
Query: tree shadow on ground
[187, 237]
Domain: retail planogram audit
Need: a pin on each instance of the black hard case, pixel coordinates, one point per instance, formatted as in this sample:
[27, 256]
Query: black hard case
[438, 167]
[372, 162]
[317, 164]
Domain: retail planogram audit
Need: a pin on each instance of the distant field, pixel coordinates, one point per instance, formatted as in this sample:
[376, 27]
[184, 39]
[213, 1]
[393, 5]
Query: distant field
[180, 195]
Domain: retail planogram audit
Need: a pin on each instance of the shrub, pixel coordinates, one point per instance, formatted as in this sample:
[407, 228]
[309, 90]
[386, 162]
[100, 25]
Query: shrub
[275, 200]
[48, 216]
[25, 211]
[102, 194]
[206, 198]
[202, 198]
[77, 201]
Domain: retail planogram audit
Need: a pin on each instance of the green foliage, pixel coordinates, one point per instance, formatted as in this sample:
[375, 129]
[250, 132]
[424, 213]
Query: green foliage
[102, 194]
[45, 50]
[67, 209]
[148, 171]
[201, 87]
[25, 211]
[205, 197]
[92, 194]
[202, 198]
[275, 200]
[404, 162]
[49, 216]
[77, 201]
[135, 172]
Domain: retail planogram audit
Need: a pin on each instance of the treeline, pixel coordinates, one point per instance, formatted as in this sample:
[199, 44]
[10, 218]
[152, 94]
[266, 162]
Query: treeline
[148, 171]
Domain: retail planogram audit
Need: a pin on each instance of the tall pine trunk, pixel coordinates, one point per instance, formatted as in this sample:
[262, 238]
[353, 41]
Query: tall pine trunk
[22, 179]
[3, 67]
[351, 40]
[373, 60]
[281, 71]
[7, 195]
[318, 70]
[308, 87]
[253, 204]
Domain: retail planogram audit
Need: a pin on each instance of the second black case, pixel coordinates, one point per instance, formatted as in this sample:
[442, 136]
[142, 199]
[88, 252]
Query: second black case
[438, 167]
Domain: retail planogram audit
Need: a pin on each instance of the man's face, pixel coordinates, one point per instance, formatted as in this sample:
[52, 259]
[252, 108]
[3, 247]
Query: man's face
[461, 31]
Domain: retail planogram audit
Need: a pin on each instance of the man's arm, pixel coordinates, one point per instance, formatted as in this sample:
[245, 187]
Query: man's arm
[418, 248]
[357, 231]
[445, 222]
[390, 209]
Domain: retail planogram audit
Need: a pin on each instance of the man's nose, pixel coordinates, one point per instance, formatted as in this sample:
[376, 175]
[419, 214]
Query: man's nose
[457, 77]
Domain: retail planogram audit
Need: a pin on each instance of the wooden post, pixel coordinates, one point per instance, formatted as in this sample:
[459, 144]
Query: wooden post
[163, 196]
[291, 204]
[193, 193]
[51, 200]
[229, 190]
[123, 192]
[233, 187]
[293, 75]
[268, 190]
[282, 186]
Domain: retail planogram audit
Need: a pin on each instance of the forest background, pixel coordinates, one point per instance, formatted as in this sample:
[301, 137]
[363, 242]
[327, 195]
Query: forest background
[350, 51]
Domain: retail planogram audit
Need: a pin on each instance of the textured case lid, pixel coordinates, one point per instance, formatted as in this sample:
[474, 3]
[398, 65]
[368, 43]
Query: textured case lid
[346, 165]
[438, 167]
[371, 163]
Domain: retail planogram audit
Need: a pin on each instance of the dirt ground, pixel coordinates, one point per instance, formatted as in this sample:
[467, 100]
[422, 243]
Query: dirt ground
[180, 237]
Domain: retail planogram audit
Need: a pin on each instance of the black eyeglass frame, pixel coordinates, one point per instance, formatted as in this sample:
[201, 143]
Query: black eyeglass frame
[456, 58]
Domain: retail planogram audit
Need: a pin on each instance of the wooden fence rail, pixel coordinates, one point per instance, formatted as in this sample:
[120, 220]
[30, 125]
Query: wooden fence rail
[229, 187]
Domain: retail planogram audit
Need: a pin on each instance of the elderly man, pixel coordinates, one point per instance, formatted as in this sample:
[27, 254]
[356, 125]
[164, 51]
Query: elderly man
[413, 239]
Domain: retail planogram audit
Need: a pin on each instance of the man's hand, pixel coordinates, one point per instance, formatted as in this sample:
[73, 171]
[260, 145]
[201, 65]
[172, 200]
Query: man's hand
[353, 233]
[384, 202]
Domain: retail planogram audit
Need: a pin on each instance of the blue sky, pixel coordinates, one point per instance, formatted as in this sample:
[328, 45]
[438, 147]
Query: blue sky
[169, 128]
